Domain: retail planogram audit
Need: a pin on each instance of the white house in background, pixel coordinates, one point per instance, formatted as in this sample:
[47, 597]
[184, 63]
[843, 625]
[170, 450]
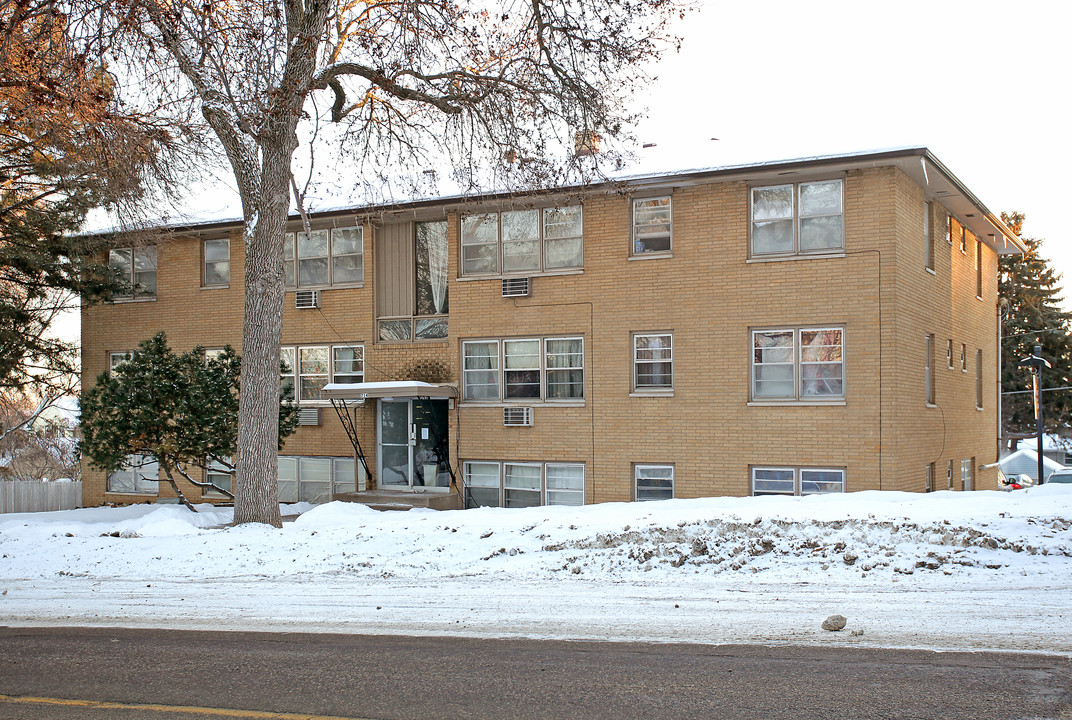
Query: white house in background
[1025, 462]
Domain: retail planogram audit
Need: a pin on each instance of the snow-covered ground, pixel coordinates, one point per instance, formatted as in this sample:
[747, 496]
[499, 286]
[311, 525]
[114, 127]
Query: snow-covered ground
[983, 570]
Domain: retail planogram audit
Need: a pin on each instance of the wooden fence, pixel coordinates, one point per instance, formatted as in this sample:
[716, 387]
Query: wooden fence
[38, 496]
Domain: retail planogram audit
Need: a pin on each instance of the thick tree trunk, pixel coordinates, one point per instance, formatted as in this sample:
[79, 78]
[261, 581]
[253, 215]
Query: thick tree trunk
[257, 468]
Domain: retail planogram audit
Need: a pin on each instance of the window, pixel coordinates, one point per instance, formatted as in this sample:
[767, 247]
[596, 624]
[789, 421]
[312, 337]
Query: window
[928, 368]
[653, 482]
[949, 354]
[979, 379]
[314, 479]
[136, 267]
[949, 228]
[325, 257]
[978, 268]
[306, 369]
[137, 474]
[928, 481]
[652, 225]
[966, 474]
[963, 234]
[797, 481]
[653, 362]
[928, 236]
[219, 475]
[963, 357]
[522, 241]
[528, 374]
[116, 359]
[523, 484]
[779, 372]
[213, 354]
[949, 475]
[413, 299]
[216, 255]
[798, 218]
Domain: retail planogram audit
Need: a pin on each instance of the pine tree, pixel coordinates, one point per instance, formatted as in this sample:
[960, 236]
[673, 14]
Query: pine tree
[1033, 317]
[179, 410]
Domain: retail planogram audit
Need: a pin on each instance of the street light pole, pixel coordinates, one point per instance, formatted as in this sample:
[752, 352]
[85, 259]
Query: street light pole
[1035, 363]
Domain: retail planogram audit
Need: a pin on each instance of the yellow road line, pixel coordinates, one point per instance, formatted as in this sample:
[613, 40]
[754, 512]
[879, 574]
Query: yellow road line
[219, 712]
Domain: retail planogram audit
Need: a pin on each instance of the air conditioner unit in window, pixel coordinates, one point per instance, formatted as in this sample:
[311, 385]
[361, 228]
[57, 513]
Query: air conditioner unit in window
[309, 416]
[516, 287]
[517, 416]
[307, 299]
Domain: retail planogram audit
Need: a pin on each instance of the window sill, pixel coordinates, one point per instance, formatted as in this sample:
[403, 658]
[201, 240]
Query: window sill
[931, 271]
[123, 301]
[429, 342]
[534, 273]
[932, 405]
[652, 256]
[797, 256]
[131, 492]
[652, 393]
[216, 287]
[522, 403]
[351, 286]
[796, 403]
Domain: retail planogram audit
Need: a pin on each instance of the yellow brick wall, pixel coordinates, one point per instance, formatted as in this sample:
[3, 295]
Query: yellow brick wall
[709, 295]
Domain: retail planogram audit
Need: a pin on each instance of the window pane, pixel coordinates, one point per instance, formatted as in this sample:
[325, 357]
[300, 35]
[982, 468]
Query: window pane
[821, 366]
[565, 484]
[821, 481]
[653, 357]
[432, 260]
[772, 364]
[563, 243]
[395, 329]
[313, 258]
[521, 485]
[288, 479]
[348, 269]
[480, 242]
[820, 198]
[349, 365]
[767, 481]
[120, 262]
[314, 475]
[431, 328]
[821, 233]
[772, 203]
[565, 368]
[521, 240]
[564, 222]
[481, 370]
[654, 482]
[651, 225]
[346, 241]
[145, 271]
[482, 484]
[288, 259]
[217, 262]
[774, 236]
[313, 371]
[343, 474]
[522, 364]
[565, 253]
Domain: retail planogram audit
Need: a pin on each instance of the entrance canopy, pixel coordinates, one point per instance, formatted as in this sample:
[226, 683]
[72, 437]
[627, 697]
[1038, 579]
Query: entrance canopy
[397, 389]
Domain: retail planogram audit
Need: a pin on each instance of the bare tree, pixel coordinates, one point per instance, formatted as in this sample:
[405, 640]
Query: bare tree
[402, 82]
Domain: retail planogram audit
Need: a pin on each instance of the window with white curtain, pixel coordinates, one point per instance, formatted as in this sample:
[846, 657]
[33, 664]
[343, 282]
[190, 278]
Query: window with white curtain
[522, 484]
[523, 369]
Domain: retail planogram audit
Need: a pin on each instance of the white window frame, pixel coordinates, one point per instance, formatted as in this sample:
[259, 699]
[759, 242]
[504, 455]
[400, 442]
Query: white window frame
[964, 357]
[223, 267]
[542, 265]
[966, 475]
[130, 274]
[576, 495]
[499, 371]
[639, 473]
[949, 353]
[928, 478]
[979, 379]
[332, 372]
[507, 489]
[638, 362]
[798, 363]
[115, 359]
[800, 479]
[797, 218]
[292, 262]
[338, 481]
[216, 469]
[642, 229]
[928, 236]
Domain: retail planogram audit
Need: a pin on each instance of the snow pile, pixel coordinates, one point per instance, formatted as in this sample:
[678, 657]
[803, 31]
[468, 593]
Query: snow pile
[948, 570]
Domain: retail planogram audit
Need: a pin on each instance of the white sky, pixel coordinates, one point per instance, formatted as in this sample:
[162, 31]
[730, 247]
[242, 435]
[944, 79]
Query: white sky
[762, 570]
[983, 84]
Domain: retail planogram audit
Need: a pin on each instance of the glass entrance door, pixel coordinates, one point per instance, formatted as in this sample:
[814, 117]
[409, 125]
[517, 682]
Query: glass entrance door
[413, 444]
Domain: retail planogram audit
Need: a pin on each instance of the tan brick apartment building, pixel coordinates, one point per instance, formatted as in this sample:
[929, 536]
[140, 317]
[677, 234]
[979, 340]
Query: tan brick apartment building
[819, 325]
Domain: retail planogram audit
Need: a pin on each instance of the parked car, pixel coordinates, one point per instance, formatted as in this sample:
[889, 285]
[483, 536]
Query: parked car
[1015, 482]
[1060, 476]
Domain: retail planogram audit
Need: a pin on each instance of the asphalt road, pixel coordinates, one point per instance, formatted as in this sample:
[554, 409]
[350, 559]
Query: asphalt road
[91, 674]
